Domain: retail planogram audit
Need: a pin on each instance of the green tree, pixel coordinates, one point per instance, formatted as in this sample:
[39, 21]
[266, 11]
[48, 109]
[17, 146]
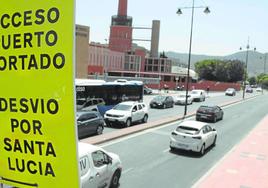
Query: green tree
[252, 80]
[235, 70]
[220, 70]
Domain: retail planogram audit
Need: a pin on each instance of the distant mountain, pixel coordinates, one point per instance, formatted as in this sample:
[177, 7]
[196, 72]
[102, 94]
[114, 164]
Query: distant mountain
[255, 59]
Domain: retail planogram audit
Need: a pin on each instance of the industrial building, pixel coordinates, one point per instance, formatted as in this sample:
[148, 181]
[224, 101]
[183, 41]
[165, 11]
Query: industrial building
[120, 57]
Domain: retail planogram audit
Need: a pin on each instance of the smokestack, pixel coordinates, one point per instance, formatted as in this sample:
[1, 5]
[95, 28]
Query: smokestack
[122, 8]
[155, 38]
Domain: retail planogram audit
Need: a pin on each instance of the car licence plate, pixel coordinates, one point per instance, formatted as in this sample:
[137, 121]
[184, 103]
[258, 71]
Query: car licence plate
[183, 145]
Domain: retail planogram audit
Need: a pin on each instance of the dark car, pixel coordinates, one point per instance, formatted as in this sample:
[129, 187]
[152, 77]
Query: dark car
[147, 90]
[209, 112]
[89, 123]
[162, 102]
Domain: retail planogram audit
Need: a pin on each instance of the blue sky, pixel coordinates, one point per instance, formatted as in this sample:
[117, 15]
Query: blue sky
[221, 32]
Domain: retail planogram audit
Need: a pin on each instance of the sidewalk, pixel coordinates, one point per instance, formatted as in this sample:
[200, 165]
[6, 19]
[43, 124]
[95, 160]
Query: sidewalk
[246, 166]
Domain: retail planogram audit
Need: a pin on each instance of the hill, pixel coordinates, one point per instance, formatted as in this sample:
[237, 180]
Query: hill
[255, 59]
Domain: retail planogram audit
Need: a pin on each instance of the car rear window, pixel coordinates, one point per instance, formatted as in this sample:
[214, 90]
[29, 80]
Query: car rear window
[187, 130]
[206, 108]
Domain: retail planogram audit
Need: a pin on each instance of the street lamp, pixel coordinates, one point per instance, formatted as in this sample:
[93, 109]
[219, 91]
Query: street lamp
[179, 12]
[246, 68]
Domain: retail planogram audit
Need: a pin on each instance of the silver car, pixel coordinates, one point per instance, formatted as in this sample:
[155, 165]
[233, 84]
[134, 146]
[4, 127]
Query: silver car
[181, 99]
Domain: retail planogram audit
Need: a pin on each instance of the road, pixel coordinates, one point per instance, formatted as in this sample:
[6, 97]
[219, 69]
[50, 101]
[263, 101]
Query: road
[178, 110]
[148, 162]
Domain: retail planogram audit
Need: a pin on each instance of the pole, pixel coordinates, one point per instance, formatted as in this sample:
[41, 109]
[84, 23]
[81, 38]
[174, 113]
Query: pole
[246, 67]
[264, 64]
[189, 61]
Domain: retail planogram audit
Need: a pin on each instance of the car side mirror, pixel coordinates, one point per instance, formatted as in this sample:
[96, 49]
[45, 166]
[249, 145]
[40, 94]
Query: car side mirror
[108, 161]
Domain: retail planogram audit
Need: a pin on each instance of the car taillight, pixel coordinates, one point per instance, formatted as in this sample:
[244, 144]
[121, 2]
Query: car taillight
[197, 137]
[174, 134]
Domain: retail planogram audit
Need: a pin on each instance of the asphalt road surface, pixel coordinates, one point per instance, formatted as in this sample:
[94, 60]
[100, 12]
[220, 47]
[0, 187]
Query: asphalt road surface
[178, 110]
[148, 162]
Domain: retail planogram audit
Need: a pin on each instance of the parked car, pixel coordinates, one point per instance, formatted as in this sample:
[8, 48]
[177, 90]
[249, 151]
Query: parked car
[181, 99]
[249, 90]
[179, 88]
[193, 136]
[230, 92]
[89, 123]
[147, 90]
[89, 104]
[125, 113]
[198, 95]
[258, 89]
[162, 102]
[209, 112]
[98, 168]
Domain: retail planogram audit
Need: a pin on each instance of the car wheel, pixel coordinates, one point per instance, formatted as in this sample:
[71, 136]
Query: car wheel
[108, 124]
[214, 142]
[115, 180]
[171, 148]
[215, 119]
[221, 117]
[145, 118]
[99, 130]
[197, 119]
[164, 106]
[128, 122]
[202, 150]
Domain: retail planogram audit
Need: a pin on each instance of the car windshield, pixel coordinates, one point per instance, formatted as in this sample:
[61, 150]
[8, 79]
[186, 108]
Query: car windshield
[187, 130]
[122, 107]
[159, 98]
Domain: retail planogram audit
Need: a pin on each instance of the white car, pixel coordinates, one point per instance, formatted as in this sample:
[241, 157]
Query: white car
[181, 99]
[125, 113]
[198, 95]
[230, 92]
[98, 168]
[193, 136]
[259, 89]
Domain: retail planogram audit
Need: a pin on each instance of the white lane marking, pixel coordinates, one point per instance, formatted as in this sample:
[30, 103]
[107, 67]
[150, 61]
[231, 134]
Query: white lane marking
[127, 170]
[162, 126]
[166, 150]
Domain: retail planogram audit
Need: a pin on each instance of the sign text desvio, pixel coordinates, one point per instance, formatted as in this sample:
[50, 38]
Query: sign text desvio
[38, 142]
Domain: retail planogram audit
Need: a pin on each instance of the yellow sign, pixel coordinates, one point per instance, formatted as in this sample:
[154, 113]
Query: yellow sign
[38, 138]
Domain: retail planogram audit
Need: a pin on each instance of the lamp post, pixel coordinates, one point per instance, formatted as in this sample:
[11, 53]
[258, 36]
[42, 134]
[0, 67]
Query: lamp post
[179, 12]
[246, 68]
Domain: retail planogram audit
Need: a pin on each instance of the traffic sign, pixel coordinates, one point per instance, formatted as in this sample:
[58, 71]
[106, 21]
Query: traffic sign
[38, 137]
